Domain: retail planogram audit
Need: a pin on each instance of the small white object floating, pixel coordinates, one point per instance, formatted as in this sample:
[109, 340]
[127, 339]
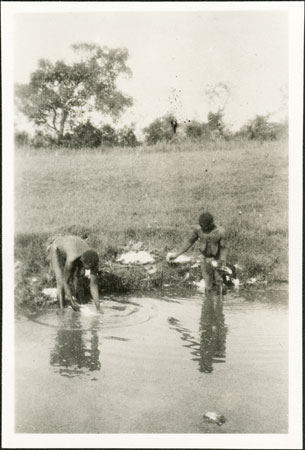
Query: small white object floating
[200, 285]
[213, 417]
[50, 292]
[251, 281]
[182, 259]
[133, 257]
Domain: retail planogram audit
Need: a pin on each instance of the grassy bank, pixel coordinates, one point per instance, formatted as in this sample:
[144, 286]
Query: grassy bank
[153, 195]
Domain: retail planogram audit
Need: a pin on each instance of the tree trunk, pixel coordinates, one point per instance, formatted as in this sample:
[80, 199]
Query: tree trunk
[60, 133]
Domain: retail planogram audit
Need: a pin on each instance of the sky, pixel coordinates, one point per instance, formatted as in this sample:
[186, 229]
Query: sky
[174, 56]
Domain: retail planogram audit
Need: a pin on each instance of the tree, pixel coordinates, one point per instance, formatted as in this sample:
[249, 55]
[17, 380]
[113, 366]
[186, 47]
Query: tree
[216, 125]
[127, 137]
[261, 129]
[58, 94]
[218, 96]
[161, 129]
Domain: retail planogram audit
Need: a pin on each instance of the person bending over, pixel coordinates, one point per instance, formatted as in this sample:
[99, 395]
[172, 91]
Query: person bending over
[71, 258]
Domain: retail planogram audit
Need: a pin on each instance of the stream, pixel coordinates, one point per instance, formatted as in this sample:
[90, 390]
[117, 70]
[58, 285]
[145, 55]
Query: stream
[150, 365]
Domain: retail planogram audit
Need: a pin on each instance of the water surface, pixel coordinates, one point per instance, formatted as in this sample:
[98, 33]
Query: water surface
[156, 366]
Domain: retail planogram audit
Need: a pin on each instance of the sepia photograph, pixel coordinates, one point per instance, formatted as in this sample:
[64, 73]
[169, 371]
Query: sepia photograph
[152, 224]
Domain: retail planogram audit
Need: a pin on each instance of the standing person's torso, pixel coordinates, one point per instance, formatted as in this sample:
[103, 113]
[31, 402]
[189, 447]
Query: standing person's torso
[210, 242]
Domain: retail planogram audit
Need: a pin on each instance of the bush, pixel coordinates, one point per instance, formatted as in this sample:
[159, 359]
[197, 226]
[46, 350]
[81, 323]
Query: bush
[108, 135]
[21, 138]
[126, 137]
[261, 129]
[197, 130]
[42, 140]
[84, 135]
[162, 129]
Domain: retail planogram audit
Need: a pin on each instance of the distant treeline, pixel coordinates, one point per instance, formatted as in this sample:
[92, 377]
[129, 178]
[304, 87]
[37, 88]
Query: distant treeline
[59, 95]
[163, 129]
[83, 136]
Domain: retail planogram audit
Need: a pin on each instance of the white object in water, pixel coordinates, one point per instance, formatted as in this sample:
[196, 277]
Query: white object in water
[235, 282]
[87, 273]
[87, 311]
[182, 259]
[50, 292]
[132, 257]
[200, 285]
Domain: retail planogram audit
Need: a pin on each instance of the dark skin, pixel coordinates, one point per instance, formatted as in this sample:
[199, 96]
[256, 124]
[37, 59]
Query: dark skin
[68, 264]
[73, 270]
[206, 271]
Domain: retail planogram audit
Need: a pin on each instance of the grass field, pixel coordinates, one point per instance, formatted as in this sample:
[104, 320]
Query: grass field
[155, 195]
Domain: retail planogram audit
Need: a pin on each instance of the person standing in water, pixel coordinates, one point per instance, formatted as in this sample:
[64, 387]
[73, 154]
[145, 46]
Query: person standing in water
[212, 246]
[71, 258]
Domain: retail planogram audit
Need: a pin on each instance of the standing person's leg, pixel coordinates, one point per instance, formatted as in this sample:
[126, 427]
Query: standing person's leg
[58, 270]
[217, 276]
[207, 273]
[218, 280]
[67, 279]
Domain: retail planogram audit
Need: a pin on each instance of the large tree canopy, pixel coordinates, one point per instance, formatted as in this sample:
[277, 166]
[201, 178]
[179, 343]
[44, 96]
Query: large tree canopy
[59, 93]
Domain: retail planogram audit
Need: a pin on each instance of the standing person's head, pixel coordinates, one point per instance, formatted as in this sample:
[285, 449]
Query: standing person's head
[90, 260]
[206, 222]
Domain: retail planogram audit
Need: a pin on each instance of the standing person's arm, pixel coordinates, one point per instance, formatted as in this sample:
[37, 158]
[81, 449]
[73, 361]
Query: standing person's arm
[223, 250]
[187, 245]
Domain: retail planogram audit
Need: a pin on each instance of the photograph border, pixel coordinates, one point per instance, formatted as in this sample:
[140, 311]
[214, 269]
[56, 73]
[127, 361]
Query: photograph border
[293, 439]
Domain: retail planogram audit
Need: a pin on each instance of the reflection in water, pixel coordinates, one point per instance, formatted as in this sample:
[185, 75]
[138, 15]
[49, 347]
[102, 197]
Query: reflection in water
[212, 346]
[212, 333]
[76, 351]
